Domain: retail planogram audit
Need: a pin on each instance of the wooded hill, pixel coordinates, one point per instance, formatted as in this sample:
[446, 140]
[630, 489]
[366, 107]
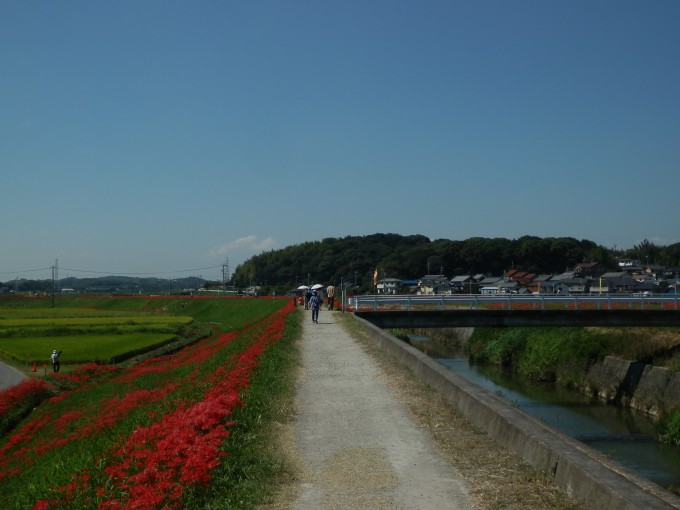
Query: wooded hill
[355, 258]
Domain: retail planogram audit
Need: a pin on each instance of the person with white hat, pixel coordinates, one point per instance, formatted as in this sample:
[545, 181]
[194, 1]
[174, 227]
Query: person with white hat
[55, 360]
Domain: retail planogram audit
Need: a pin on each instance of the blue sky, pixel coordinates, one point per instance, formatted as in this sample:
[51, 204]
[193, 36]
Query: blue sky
[165, 136]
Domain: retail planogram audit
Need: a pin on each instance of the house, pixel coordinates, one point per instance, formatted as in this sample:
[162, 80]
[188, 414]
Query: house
[574, 286]
[541, 284]
[488, 290]
[509, 287]
[510, 275]
[409, 286]
[487, 283]
[502, 288]
[388, 286]
[495, 285]
[551, 287]
[590, 269]
[620, 281]
[462, 284]
[489, 280]
[521, 277]
[567, 275]
[434, 284]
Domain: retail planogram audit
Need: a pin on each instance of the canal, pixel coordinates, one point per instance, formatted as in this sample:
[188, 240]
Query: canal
[624, 435]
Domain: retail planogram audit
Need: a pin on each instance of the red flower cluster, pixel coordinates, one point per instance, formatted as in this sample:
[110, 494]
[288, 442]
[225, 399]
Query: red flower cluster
[28, 390]
[181, 446]
[85, 373]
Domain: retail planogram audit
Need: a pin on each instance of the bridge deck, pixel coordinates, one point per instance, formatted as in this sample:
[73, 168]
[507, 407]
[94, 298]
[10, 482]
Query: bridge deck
[515, 318]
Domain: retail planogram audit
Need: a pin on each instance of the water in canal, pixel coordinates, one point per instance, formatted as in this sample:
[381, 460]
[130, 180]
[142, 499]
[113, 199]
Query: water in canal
[622, 434]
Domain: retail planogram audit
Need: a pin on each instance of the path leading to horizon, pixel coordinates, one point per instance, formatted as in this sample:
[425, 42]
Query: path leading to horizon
[360, 446]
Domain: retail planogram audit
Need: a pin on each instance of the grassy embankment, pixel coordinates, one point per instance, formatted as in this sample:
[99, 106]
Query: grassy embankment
[76, 450]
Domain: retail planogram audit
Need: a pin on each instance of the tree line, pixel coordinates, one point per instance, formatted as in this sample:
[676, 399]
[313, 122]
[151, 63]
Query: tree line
[353, 259]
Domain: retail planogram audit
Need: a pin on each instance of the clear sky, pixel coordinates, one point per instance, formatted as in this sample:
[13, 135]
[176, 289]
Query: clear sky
[165, 136]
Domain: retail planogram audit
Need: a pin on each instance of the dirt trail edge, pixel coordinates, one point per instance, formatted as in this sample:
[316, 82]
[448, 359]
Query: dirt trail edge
[360, 447]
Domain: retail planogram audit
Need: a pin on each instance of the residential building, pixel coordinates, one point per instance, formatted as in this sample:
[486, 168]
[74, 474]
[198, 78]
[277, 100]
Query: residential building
[590, 269]
[388, 286]
[434, 284]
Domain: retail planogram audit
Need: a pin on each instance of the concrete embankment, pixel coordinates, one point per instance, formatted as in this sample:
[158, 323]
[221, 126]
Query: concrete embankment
[589, 477]
[646, 388]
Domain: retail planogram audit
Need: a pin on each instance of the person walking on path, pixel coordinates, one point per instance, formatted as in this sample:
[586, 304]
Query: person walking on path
[55, 360]
[315, 305]
[330, 293]
[358, 445]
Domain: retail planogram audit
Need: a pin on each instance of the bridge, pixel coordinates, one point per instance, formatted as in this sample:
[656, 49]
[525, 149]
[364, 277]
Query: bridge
[516, 311]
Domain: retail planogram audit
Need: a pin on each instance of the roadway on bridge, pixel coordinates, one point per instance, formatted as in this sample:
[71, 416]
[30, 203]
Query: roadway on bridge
[360, 447]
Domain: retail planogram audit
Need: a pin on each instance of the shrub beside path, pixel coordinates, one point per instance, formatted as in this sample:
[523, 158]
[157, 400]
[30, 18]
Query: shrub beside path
[359, 445]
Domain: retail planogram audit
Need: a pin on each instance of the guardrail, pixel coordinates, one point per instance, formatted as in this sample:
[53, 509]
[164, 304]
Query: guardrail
[508, 301]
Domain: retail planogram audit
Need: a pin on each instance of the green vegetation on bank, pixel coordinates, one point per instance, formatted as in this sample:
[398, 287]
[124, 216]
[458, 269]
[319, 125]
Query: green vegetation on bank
[561, 354]
[546, 354]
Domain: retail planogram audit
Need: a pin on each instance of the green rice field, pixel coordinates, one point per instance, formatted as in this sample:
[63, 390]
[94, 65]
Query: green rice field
[113, 329]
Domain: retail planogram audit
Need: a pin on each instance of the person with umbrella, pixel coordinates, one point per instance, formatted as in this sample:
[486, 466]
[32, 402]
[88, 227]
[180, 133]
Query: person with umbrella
[302, 293]
[308, 297]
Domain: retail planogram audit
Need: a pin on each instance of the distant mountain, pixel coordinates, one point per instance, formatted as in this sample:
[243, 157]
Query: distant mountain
[105, 284]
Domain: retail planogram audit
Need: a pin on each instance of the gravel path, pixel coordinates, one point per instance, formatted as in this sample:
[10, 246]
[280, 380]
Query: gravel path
[9, 376]
[360, 447]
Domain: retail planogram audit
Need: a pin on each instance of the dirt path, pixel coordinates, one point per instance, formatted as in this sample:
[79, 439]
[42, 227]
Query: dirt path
[360, 447]
[9, 376]
[364, 429]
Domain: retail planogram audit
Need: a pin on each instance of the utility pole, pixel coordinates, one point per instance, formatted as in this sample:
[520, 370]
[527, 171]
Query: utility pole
[225, 275]
[55, 278]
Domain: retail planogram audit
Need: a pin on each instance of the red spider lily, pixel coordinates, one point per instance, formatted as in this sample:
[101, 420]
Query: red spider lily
[156, 463]
[85, 373]
[28, 390]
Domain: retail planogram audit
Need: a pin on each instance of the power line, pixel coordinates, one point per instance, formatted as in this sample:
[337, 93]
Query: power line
[140, 272]
[26, 270]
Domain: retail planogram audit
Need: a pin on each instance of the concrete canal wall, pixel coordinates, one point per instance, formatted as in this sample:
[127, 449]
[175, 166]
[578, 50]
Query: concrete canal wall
[646, 388]
[586, 475]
